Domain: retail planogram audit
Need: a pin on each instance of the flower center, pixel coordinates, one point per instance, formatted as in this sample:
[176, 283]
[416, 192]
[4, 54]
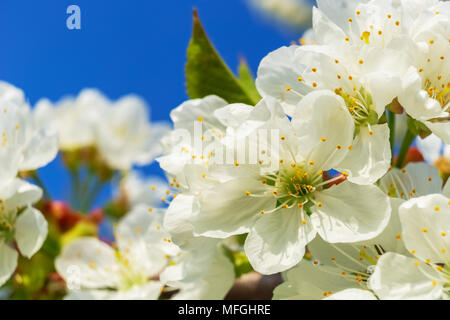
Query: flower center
[294, 185]
[129, 276]
[439, 91]
[360, 106]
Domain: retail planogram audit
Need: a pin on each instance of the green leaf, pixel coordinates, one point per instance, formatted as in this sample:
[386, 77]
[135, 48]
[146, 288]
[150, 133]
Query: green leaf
[418, 128]
[247, 80]
[239, 260]
[207, 73]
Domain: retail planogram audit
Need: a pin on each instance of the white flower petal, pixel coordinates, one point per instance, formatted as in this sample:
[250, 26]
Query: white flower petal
[202, 271]
[31, 231]
[441, 129]
[143, 241]
[430, 147]
[185, 115]
[8, 262]
[390, 239]
[353, 295]
[40, 150]
[426, 227]
[370, 156]
[311, 282]
[280, 70]
[88, 263]
[317, 119]
[178, 215]
[226, 209]
[351, 213]
[397, 277]
[277, 241]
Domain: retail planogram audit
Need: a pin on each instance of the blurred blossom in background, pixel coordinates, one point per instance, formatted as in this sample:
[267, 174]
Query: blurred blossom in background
[293, 13]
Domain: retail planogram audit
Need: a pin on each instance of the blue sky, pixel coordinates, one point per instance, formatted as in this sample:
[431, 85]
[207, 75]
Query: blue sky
[132, 46]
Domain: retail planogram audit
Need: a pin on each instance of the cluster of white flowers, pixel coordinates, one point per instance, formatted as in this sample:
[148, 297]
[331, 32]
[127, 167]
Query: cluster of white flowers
[327, 183]
[304, 183]
[26, 145]
[120, 131]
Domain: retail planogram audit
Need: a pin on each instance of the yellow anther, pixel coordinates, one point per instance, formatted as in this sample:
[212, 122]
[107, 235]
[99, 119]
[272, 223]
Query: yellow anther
[323, 139]
[288, 89]
[283, 138]
[425, 230]
[311, 163]
[247, 193]
[436, 208]
[398, 236]
[365, 36]
[319, 204]
[200, 119]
